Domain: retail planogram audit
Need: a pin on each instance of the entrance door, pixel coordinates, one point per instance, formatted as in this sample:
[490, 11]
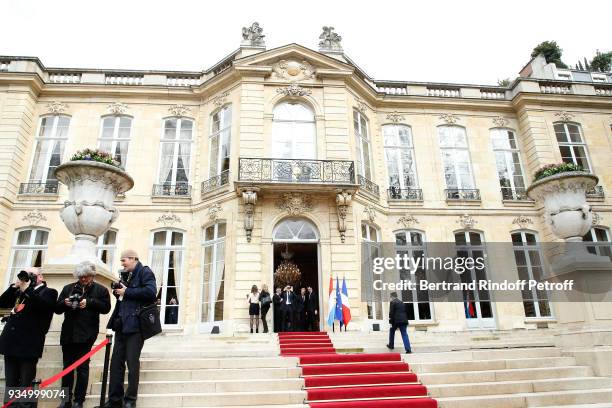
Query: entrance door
[295, 251]
[477, 304]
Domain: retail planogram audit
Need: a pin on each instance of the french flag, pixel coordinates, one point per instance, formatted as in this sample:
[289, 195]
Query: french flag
[346, 307]
[331, 303]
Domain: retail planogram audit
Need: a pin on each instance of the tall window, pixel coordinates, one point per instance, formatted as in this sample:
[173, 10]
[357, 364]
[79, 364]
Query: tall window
[371, 249]
[571, 144]
[106, 247]
[213, 273]
[529, 265]
[29, 249]
[219, 141]
[115, 137]
[50, 144]
[599, 242]
[455, 158]
[399, 152]
[175, 155]
[362, 144]
[508, 161]
[293, 132]
[167, 252]
[477, 303]
[416, 301]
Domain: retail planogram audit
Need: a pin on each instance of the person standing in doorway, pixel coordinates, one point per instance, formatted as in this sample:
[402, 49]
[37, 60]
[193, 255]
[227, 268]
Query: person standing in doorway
[286, 309]
[312, 310]
[398, 320]
[277, 299]
[300, 309]
[265, 301]
[253, 299]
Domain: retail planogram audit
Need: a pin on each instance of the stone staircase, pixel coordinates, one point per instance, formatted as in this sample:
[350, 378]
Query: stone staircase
[474, 369]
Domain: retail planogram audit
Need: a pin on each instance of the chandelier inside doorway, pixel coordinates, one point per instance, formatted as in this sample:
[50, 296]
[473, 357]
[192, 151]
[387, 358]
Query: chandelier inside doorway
[287, 273]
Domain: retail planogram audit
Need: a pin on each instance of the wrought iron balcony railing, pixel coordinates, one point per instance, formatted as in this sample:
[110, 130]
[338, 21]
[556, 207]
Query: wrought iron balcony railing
[514, 194]
[413, 194]
[171, 190]
[596, 192]
[368, 185]
[215, 182]
[41, 188]
[296, 171]
[462, 194]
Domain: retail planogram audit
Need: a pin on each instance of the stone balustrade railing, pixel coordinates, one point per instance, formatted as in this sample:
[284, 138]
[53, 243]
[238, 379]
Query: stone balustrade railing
[65, 77]
[124, 79]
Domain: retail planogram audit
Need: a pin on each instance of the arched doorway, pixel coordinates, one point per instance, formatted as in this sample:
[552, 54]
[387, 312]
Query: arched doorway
[295, 253]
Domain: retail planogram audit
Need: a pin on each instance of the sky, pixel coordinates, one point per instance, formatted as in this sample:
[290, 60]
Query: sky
[471, 42]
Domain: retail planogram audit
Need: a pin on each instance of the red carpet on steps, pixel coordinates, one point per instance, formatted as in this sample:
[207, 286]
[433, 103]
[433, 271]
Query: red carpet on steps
[334, 380]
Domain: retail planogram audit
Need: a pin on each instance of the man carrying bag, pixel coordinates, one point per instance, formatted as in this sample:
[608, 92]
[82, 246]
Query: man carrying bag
[134, 319]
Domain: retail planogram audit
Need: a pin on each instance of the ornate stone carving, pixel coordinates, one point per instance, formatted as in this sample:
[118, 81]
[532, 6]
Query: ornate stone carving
[117, 108]
[370, 212]
[294, 90]
[343, 200]
[329, 40]
[565, 116]
[34, 217]
[522, 221]
[395, 117]
[408, 221]
[295, 203]
[213, 212]
[449, 118]
[220, 100]
[179, 110]
[249, 198]
[253, 35]
[597, 219]
[360, 104]
[500, 121]
[169, 219]
[467, 221]
[293, 70]
[57, 108]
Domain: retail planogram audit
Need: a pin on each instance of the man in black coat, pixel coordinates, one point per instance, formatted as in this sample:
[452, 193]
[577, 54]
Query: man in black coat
[398, 320]
[312, 310]
[81, 302]
[286, 309]
[137, 289]
[23, 338]
[277, 300]
[300, 309]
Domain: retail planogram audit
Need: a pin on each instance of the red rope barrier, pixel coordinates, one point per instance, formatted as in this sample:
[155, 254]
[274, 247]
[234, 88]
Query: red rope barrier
[70, 368]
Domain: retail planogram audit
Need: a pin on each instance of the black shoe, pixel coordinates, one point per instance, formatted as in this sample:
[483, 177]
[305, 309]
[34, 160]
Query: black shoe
[256, 330]
[77, 405]
[389, 347]
[66, 404]
[408, 351]
[112, 404]
[129, 404]
[251, 330]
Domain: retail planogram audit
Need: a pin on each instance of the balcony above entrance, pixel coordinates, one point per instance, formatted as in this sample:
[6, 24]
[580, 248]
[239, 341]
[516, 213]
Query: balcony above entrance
[286, 174]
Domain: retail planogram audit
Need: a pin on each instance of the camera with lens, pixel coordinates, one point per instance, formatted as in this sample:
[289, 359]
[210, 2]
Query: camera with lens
[75, 299]
[25, 276]
[123, 279]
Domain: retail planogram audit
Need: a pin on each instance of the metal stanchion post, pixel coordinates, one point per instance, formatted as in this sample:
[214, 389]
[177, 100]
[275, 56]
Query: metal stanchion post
[36, 386]
[109, 337]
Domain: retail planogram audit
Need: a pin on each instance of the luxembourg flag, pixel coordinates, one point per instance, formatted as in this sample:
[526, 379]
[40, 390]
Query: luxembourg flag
[331, 303]
[346, 307]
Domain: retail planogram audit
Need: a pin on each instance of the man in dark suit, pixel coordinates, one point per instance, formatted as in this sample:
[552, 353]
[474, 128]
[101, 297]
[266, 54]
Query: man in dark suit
[137, 289]
[82, 303]
[286, 309]
[300, 309]
[23, 337]
[312, 310]
[277, 300]
[398, 320]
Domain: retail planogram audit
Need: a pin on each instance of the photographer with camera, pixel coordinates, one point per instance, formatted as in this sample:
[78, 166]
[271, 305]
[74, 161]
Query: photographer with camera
[135, 291]
[23, 337]
[82, 303]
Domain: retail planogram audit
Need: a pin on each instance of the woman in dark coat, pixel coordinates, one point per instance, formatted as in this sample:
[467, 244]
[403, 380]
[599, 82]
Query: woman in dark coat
[265, 301]
[277, 300]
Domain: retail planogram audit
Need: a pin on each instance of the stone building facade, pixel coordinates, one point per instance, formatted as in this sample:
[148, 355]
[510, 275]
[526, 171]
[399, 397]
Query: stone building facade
[291, 151]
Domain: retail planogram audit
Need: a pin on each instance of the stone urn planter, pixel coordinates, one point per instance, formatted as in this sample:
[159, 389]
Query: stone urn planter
[566, 210]
[89, 211]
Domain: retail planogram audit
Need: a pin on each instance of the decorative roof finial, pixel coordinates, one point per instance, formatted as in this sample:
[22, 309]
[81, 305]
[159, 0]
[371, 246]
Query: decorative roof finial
[253, 35]
[330, 41]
